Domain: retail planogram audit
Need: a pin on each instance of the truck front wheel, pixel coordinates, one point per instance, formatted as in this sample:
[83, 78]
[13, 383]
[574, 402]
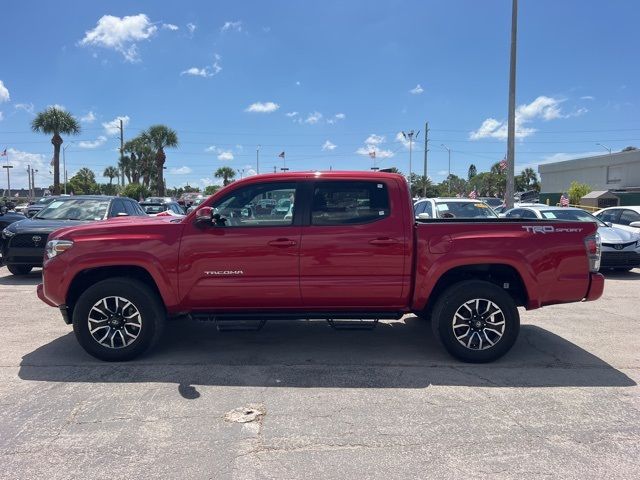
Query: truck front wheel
[476, 321]
[118, 319]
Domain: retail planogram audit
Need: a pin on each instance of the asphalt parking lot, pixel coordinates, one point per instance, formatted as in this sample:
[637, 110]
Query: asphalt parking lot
[387, 403]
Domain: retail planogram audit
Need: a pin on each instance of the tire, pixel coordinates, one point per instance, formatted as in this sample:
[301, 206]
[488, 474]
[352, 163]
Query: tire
[128, 334]
[19, 269]
[623, 269]
[461, 311]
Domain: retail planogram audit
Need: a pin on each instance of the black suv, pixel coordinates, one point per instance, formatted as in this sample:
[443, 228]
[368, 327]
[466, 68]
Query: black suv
[23, 242]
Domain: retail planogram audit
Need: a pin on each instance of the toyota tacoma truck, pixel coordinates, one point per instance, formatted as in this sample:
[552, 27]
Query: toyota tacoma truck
[348, 248]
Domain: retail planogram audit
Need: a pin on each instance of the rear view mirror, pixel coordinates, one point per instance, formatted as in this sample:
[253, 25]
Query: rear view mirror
[635, 224]
[204, 215]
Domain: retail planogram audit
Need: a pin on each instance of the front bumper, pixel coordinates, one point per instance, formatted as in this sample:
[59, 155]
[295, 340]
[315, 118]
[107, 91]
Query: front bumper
[40, 292]
[596, 287]
[620, 259]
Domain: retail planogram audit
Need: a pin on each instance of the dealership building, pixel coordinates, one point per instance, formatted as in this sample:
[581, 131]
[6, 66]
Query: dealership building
[610, 176]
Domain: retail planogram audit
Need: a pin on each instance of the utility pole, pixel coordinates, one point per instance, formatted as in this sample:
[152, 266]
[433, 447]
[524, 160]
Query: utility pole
[8, 179]
[64, 165]
[29, 181]
[122, 152]
[410, 136]
[33, 181]
[449, 177]
[426, 149]
[258, 159]
[511, 126]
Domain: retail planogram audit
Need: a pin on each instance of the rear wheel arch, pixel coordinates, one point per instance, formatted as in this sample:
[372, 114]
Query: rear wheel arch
[502, 275]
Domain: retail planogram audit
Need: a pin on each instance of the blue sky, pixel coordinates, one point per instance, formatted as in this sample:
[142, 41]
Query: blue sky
[324, 81]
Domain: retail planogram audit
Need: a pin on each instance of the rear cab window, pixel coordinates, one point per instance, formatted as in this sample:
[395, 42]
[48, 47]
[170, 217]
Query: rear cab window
[349, 202]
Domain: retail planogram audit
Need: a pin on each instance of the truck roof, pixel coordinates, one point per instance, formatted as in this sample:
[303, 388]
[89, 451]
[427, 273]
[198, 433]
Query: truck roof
[337, 174]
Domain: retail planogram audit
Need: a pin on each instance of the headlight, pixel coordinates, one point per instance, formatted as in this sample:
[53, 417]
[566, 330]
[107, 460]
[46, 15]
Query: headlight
[56, 247]
[6, 233]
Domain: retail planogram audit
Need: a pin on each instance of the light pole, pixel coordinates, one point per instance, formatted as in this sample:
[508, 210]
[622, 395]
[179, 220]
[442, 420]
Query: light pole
[410, 136]
[64, 165]
[449, 176]
[241, 172]
[511, 120]
[605, 147]
[258, 159]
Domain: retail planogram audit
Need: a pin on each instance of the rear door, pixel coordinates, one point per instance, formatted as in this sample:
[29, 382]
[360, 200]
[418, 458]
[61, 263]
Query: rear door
[250, 263]
[354, 243]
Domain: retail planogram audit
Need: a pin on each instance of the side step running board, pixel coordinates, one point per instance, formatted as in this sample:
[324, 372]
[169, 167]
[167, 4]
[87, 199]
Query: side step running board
[360, 324]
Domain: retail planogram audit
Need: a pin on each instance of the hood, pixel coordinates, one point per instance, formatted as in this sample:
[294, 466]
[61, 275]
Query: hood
[30, 225]
[113, 225]
[616, 235]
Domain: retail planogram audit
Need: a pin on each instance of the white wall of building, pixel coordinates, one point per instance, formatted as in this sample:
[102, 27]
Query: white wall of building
[603, 172]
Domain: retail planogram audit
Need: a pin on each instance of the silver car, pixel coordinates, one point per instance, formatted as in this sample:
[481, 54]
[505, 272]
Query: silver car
[620, 248]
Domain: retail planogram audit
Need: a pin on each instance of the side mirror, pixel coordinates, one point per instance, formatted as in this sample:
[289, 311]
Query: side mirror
[608, 224]
[423, 216]
[122, 214]
[204, 215]
[635, 224]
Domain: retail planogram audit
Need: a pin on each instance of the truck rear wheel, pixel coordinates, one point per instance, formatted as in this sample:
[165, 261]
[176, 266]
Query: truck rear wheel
[476, 321]
[118, 319]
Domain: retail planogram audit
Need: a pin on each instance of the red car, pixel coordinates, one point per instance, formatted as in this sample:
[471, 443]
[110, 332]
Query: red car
[350, 249]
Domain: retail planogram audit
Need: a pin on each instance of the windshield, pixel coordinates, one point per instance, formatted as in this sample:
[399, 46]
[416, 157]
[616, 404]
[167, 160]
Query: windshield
[571, 215]
[464, 210]
[76, 209]
[45, 201]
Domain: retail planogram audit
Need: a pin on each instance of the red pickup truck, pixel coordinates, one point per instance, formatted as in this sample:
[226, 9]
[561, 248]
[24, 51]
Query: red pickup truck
[348, 247]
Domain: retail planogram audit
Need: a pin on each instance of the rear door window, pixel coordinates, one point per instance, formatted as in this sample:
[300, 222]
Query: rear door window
[609, 215]
[349, 202]
[117, 207]
[628, 216]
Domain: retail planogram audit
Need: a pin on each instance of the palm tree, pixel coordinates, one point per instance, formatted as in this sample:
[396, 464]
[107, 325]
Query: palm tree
[160, 137]
[473, 171]
[55, 121]
[226, 174]
[111, 173]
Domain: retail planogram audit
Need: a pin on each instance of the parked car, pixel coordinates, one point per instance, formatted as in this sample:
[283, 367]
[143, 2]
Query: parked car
[620, 248]
[157, 207]
[24, 241]
[186, 199]
[352, 250]
[626, 218]
[7, 218]
[452, 208]
[39, 205]
[501, 211]
[493, 202]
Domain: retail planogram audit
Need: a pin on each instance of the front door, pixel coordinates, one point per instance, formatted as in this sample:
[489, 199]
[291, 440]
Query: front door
[354, 247]
[252, 262]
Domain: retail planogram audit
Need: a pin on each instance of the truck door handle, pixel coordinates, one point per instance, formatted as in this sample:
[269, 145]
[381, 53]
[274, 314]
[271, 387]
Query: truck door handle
[383, 241]
[282, 242]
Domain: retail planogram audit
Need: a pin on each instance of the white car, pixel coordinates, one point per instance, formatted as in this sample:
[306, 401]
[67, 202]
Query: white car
[626, 218]
[452, 208]
[620, 248]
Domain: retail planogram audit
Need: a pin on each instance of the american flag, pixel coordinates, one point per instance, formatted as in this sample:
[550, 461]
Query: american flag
[503, 164]
[372, 154]
[564, 201]
[473, 194]
[281, 155]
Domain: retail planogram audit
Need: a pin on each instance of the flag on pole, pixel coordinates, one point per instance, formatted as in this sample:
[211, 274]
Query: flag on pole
[372, 154]
[473, 195]
[4, 153]
[564, 201]
[503, 164]
[281, 155]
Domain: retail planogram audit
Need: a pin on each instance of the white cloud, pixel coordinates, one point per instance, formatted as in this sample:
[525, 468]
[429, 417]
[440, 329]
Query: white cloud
[235, 26]
[208, 71]
[313, 118]
[101, 140]
[20, 159]
[373, 144]
[225, 156]
[260, 107]
[191, 27]
[417, 90]
[328, 146]
[542, 108]
[337, 117]
[113, 127]
[180, 171]
[4, 93]
[57, 106]
[170, 26]
[291, 114]
[27, 107]
[121, 34]
[88, 118]
[374, 139]
[211, 148]
[587, 97]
